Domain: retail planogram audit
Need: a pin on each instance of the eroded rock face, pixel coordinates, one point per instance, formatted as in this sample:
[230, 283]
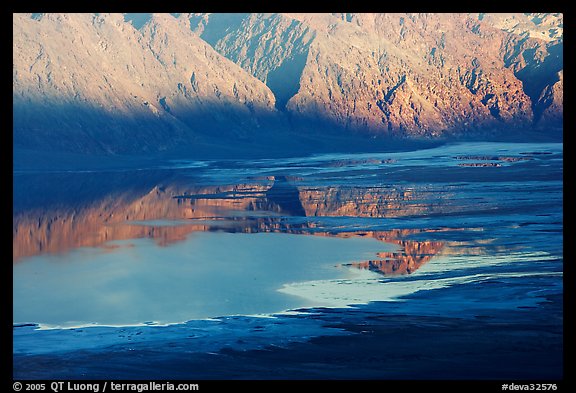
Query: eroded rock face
[97, 81]
[411, 74]
[138, 82]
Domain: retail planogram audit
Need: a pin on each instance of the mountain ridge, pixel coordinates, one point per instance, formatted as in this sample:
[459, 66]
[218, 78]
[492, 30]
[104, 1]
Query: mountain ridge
[137, 83]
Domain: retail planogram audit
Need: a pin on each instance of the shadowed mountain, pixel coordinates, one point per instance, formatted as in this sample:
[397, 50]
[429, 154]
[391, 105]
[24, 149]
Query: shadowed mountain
[101, 83]
[272, 47]
[400, 74]
[141, 83]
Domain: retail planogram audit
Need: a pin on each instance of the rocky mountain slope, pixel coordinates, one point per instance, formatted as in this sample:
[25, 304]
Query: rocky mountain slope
[150, 82]
[98, 81]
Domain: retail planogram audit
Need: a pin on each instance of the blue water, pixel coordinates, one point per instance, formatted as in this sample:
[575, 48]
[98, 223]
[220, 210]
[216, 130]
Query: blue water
[242, 254]
[207, 275]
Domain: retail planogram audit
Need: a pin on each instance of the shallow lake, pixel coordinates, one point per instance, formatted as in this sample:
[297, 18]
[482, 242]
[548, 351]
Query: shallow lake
[215, 240]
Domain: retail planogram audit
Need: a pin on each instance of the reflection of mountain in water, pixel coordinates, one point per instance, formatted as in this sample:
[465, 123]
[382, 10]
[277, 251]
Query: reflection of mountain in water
[413, 255]
[169, 212]
[373, 201]
[286, 196]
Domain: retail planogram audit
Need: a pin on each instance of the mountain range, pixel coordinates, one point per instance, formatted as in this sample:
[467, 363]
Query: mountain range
[140, 83]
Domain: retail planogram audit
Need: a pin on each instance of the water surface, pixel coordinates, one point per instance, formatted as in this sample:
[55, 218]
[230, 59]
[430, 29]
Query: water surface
[466, 231]
[207, 275]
